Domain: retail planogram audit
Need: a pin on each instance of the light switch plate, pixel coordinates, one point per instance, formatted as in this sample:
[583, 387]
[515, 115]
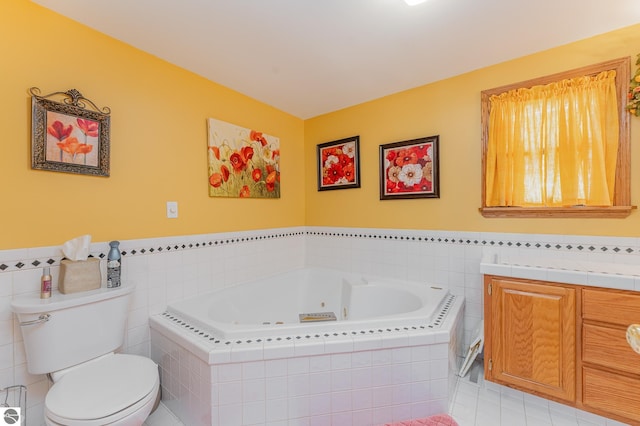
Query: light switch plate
[172, 209]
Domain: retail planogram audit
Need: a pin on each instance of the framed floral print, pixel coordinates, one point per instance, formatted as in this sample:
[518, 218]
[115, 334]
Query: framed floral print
[69, 135]
[410, 169]
[339, 164]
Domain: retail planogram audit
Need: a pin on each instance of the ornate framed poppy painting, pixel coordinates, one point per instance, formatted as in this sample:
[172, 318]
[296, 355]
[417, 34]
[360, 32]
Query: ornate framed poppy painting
[243, 163]
[410, 169]
[69, 133]
[339, 164]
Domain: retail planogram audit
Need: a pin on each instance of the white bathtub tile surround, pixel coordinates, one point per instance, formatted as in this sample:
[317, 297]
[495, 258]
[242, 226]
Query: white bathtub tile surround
[447, 258]
[482, 404]
[345, 378]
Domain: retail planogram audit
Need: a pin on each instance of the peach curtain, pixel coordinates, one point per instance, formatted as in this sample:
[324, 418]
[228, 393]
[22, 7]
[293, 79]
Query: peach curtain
[554, 145]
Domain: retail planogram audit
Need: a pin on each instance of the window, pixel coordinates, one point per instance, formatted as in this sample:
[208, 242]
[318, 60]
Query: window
[558, 146]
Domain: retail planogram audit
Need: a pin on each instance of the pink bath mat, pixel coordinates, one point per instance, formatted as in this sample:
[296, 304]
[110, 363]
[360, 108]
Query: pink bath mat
[437, 420]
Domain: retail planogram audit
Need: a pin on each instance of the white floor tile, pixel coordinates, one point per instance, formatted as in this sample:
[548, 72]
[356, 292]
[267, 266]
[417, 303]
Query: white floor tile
[497, 405]
[162, 417]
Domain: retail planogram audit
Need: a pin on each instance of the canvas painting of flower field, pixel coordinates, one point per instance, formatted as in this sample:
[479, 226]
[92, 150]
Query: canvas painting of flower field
[243, 163]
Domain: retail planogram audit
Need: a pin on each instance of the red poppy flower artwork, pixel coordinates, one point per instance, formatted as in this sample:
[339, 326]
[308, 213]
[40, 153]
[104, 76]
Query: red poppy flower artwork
[71, 139]
[69, 133]
[410, 169]
[243, 163]
[339, 164]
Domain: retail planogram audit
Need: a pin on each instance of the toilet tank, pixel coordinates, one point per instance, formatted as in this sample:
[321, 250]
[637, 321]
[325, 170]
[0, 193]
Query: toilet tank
[76, 327]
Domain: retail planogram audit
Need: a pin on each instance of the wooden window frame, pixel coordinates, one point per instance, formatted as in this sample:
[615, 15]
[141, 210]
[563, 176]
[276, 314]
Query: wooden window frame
[622, 197]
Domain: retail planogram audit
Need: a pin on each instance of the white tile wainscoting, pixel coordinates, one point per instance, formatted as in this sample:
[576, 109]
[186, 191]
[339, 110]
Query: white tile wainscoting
[173, 268]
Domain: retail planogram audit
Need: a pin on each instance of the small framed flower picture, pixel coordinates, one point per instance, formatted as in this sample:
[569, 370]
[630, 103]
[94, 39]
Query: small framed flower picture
[69, 136]
[339, 164]
[410, 169]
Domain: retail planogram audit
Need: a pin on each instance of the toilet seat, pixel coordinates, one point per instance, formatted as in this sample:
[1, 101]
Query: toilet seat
[103, 391]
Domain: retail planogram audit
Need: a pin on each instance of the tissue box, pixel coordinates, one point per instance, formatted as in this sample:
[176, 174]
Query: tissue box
[81, 275]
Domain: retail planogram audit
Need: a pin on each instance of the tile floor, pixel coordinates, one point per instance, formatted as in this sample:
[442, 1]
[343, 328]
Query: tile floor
[480, 403]
[162, 417]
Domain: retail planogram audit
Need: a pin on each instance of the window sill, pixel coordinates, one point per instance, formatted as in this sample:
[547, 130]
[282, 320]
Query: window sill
[616, 212]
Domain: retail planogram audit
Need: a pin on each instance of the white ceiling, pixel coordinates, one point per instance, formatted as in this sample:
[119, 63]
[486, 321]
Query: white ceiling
[310, 57]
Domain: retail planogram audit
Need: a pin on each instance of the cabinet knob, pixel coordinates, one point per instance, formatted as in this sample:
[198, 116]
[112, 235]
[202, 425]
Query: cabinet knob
[633, 337]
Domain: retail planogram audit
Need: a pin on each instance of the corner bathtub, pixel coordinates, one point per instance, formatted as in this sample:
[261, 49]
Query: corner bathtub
[391, 351]
[275, 306]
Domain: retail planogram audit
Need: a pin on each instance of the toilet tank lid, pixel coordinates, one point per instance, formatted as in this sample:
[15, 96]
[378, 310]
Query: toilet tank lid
[102, 388]
[31, 303]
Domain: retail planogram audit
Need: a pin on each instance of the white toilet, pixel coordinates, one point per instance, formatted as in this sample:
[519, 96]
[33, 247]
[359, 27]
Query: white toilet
[72, 338]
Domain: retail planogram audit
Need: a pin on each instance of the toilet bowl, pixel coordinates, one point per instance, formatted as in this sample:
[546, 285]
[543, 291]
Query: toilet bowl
[113, 390]
[73, 339]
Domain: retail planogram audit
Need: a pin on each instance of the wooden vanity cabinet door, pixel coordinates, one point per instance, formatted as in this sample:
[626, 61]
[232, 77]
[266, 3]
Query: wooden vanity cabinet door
[530, 330]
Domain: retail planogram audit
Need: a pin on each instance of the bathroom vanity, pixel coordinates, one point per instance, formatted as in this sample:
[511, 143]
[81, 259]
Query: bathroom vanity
[564, 342]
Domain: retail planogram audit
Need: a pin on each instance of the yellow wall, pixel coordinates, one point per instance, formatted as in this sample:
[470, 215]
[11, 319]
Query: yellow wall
[158, 143]
[451, 109]
[158, 140]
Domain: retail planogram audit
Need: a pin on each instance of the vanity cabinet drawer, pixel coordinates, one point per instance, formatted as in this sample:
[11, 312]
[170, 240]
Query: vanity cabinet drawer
[611, 306]
[612, 393]
[608, 347]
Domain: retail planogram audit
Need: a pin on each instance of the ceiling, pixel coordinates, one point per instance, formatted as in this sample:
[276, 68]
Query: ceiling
[310, 57]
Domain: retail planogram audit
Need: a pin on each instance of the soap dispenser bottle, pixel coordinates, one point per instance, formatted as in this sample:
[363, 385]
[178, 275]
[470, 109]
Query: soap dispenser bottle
[114, 262]
[45, 283]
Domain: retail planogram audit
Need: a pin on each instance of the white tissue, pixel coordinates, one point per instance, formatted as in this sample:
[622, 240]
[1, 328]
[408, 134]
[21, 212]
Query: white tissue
[78, 248]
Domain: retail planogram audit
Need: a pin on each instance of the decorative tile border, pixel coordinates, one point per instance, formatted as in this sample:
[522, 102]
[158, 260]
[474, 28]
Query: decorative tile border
[23, 264]
[515, 241]
[484, 242]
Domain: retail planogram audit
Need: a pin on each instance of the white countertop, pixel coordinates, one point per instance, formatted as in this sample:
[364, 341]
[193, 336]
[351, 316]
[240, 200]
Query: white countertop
[608, 275]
